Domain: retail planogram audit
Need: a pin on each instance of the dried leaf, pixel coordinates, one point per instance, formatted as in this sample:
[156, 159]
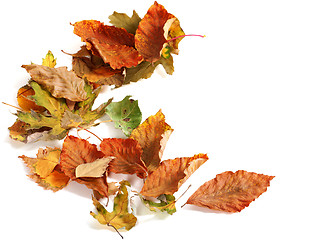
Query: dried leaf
[149, 38]
[125, 114]
[93, 169]
[114, 45]
[121, 20]
[119, 217]
[25, 101]
[127, 156]
[60, 82]
[78, 151]
[231, 192]
[152, 136]
[166, 203]
[46, 170]
[171, 174]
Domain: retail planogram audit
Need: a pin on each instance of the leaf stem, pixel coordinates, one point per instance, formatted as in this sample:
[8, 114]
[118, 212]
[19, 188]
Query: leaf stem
[13, 106]
[90, 133]
[186, 35]
[115, 230]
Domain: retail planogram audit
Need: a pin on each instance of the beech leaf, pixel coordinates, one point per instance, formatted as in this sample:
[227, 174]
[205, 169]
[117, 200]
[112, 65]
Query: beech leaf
[149, 37]
[93, 169]
[60, 82]
[171, 174]
[78, 151]
[127, 156]
[126, 114]
[230, 192]
[152, 136]
[119, 217]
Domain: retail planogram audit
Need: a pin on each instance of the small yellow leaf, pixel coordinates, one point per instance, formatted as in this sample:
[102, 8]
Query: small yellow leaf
[49, 60]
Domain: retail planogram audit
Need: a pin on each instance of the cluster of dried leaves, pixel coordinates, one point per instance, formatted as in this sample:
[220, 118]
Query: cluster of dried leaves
[56, 100]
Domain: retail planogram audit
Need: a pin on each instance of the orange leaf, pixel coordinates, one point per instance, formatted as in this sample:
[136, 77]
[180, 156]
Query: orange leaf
[114, 45]
[127, 156]
[231, 192]
[152, 136]
[171, 174]
[78, 151]
[149, 38]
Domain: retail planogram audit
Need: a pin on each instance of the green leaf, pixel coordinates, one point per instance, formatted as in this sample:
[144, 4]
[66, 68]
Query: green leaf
[167, 203]
[121, 20]
[119, 217]
[125, 114]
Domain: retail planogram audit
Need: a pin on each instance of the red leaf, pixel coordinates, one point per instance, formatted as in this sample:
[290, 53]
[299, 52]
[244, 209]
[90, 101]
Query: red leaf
[149, 38]
[231, 192]
[127, 153]
[77, 151]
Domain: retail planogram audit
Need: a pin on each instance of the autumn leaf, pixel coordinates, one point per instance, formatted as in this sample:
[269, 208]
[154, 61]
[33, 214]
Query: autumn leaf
[60, 82]
[230, 192]
[76, 151]
[25, 101]
[127, 156]
[166, 203]
[152, 136]
[93, 69]
[119, 217]
[149, 37]
[125, 114]
[121, 20]
[49, 60]
[93, 169]
[114, 45]
[45, 169]
[171, 174]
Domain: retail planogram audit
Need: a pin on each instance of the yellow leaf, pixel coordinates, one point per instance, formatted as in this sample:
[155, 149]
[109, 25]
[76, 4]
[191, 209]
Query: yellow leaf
[49, 60]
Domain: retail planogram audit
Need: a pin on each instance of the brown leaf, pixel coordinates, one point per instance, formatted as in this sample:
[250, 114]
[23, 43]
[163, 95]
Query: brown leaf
[149, 38]
[114, 45]
[93, 169]
[127, 156]
[78, 151]
[93, 69]
[60, 82]
[171, 174]
[152, 136]
[231, 192]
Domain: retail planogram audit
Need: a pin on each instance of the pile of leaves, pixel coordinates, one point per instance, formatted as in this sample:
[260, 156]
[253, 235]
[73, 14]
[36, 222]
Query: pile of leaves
[56, 100]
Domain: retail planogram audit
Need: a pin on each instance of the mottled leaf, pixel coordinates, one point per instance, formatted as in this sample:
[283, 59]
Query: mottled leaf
[121, 20]
[119, 217]
[125, 114]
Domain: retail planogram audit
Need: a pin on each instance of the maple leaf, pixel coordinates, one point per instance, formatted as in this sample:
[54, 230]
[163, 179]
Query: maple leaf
[60, 82]
[114, 45]
[119, 217]
[152, 136]
[230, 192]
[25, 102]
[45, 169]
[76, 151]
[127, 156]
[171, 174]
[49, 60]
[121, 20]
[125, 114]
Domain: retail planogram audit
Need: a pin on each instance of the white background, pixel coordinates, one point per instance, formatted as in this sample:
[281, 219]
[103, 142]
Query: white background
[245, 95]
